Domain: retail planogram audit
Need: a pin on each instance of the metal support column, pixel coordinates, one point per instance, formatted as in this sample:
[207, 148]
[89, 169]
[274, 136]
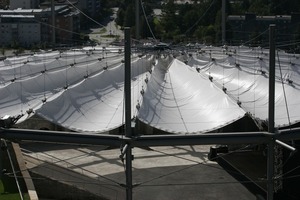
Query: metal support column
[128, 132]
[271, 144]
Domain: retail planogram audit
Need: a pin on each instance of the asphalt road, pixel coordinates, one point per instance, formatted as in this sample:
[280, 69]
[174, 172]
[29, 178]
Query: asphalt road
[104, 35]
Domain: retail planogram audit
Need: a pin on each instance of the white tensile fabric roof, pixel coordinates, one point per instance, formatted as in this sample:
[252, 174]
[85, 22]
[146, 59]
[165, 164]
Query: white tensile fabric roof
[199, 91]
[244, 72]
[178, 99]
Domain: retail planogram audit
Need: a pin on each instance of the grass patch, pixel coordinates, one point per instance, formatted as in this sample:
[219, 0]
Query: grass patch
[156, 21]
[9, 190]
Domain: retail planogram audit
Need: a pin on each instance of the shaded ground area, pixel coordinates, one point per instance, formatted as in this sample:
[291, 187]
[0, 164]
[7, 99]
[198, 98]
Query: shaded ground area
[158, 173]
[252, 163]
[252, 166]
[249, 167]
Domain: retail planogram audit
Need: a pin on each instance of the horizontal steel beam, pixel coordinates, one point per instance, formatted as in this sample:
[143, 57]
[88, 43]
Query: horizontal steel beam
[288, 134]
[140, 141]
[61, 137]
[149, 140]
[203, 139]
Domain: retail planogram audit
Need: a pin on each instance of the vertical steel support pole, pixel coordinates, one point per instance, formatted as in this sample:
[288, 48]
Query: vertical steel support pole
[270, 161]
[272, 78]
[128, 132]
[223, 22]
[137, 19]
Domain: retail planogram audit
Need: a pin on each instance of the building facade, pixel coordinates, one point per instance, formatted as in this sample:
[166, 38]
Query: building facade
[253, 30]
[67, 25]
[33, 27]
[20, 27]
[24, 4]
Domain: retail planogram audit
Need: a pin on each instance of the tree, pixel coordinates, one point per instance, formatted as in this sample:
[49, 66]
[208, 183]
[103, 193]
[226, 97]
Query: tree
[4, 4]
[148, 16]
[129, 18]
[283, 7]
[260, 7]
[169, 18]
[120, 17]
[3, 51]
[205, 34]
[189, 15]
[218, 27]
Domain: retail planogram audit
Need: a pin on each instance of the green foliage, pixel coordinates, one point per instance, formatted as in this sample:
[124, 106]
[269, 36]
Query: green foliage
[129, 19]
[182, 21]
[169, 20]
[148, 17]
[4, 4]
[188, 17]
[259, 7]
[126, 14]
[199, 20]
[206, 34]
[120, 17]
[283, 7]
[8, 190]
[111, 3]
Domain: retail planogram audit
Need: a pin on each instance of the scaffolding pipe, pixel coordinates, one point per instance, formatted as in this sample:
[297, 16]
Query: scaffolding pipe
[289, 147]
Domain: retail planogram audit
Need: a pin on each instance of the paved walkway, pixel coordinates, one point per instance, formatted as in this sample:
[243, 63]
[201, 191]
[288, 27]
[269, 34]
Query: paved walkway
[158, 173]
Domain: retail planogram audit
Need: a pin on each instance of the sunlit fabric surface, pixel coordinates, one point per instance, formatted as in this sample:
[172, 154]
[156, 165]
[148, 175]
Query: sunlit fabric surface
[244, 72]
[180, 100]
[196, 91]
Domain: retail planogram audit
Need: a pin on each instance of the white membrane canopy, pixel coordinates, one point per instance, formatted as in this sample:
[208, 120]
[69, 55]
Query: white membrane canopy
[180, 100]
[244, 72]
[200, 91]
